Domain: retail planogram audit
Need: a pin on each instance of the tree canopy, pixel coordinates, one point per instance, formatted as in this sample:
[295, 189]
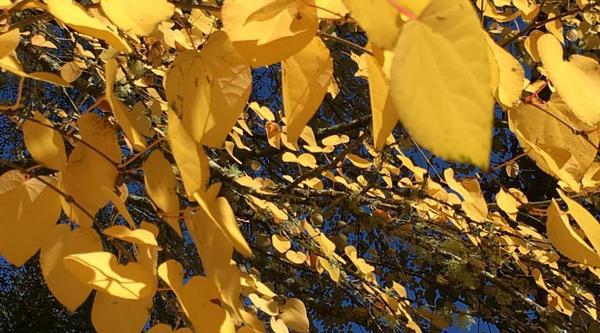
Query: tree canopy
[299, 165]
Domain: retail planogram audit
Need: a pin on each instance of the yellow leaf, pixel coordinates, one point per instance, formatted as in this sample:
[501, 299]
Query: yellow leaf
[307, 160]
[451, 112]
[161, 186]
[29, 209]
[75, 16]
[566, 240]
[88, 169]
[296, 257]
[136, 236]
[70, 71]
[221, 214]
[191, 159]
[119, 204]
[262, 111]
[331, 9]
[381, 19]
[358, 161]
[9, 42]
[294, 315]
[333, 271]
[61, 242]
[509, 75]
[546, 135]
[44, 143]
[102, 271]
[383, 114]
[577, 80]
[305, 77]
[268, 31]
[281, 243]
[121, 112]
[209, 90]
[196, 298]
[555, 27]
[214, 248]
[334, 140]
[164, 328]
[137, 16]
[278, 325]
[586, 221]
[11, 64]
[360, 263]
[269, 307]
[490, 10]
[113, 314]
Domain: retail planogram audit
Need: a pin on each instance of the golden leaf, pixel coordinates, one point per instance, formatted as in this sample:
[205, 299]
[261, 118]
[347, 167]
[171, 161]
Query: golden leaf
[577, 80]
[305, 78]
[44, 142]
[451, 112]
[268, 31]
[29, 209]
[61, 242]
[75, 16]
[137, 16]
[102, 271]
[196, 299]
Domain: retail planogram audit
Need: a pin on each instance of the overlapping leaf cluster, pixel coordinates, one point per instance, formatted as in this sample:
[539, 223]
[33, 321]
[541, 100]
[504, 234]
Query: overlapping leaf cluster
[168, 129]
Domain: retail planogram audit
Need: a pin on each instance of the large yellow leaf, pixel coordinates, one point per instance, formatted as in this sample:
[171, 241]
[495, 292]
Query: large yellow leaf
[121, 112]
[137, 16]
[507, 76]
[29, 209]
[221, 214]
[44, 143]
[196, 298]
[268, 31]
[566, 240]
[382, 19]
[89, 168]
[75, 16]
[209, 89]
[61, 242]
[112, 314]
[9, 42]
[161, 186]
[546, 135]
[440, 81]
[577, 80]
[102, 271]
[305, 78]
[191, 159]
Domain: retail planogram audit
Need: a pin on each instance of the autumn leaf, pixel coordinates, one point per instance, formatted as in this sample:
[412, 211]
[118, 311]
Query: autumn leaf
[450, 112]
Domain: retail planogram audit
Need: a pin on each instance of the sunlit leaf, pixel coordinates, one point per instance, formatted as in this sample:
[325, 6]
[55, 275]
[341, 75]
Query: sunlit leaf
[196, 298]
[577, 80]
[137, 16]
[305, 77]
[30, 208]
[268, 31]
[450, 112]
[61, 242]
[75, 16]
[44, 142]
[102, 271]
